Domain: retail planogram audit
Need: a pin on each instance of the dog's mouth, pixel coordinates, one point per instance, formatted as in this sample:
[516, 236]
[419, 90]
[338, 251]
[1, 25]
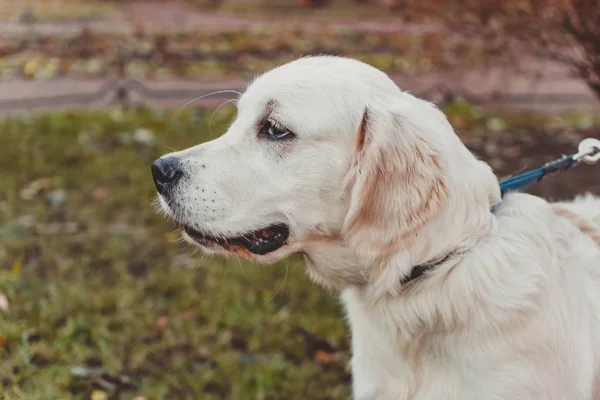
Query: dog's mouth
[259, 242]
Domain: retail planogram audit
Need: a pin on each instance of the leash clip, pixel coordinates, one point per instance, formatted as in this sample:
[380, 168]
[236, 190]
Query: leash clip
[589, 151]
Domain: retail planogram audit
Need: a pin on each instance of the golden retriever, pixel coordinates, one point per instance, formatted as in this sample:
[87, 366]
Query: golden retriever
[452, 292]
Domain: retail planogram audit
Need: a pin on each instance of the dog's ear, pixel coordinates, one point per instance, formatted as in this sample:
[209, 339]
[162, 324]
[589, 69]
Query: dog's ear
[396, 184]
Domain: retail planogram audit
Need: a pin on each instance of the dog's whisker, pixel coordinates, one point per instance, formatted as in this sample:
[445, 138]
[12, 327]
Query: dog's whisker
[241, 266]
[282, 286]
[216, 110]
[208, 95]
[226, 271]
[200, 261]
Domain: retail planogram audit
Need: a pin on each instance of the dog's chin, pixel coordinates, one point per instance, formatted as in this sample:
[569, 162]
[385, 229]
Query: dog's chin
[267, 245]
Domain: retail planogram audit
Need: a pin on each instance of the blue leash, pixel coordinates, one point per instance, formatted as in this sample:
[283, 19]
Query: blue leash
[589, 153]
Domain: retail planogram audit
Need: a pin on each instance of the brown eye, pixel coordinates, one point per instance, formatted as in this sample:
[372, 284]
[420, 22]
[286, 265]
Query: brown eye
[275, 132]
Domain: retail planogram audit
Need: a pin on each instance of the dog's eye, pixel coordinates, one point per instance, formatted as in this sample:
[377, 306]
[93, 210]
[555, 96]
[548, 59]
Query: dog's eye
[275, 132]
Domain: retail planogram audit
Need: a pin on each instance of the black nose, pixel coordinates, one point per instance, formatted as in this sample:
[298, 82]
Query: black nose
[166, 171]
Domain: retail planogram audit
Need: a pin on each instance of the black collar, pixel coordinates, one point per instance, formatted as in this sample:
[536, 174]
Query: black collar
[417, 271]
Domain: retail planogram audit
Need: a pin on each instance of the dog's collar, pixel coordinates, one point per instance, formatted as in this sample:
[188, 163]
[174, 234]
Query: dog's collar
[417, 271]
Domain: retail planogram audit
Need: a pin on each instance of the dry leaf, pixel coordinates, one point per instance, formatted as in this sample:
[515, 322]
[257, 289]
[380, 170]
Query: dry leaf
[34, 188]
[172, 236]
[17, 267]
[99, 395]
[100, 193]
[325, 358]
[161, 322]
[3, 302]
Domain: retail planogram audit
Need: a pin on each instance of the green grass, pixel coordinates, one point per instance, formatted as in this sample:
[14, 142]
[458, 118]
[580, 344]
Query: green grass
[93, 277]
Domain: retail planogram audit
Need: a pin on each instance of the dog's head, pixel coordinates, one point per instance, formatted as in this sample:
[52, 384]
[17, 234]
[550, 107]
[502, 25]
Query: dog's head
[328, 157]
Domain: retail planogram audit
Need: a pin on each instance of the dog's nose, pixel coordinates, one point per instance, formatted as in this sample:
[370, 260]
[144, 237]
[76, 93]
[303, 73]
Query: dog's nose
[166, 171]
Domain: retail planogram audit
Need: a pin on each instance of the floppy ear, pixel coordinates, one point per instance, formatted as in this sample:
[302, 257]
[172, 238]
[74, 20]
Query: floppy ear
[396, 184]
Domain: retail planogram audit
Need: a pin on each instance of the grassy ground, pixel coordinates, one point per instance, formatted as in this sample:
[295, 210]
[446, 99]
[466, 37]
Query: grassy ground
[93, 278]
[99, 300]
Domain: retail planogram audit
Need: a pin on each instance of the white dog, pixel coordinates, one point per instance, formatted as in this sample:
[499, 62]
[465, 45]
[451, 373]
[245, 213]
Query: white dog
[451, 291]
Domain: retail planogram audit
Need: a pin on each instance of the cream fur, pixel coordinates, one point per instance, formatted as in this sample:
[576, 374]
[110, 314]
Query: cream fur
[376, 182]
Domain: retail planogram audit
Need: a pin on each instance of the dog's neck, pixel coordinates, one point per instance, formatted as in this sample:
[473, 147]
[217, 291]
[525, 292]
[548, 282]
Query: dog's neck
[419, 271]
[333, 265]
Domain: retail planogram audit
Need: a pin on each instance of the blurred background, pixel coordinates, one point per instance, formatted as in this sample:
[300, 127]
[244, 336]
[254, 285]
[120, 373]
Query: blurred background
[99, 299]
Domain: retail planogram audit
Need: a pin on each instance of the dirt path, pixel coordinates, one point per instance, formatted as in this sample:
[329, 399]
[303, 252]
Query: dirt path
[545, 87]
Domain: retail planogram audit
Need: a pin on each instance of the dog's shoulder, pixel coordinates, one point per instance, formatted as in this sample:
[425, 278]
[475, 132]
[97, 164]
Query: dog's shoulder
[524, 216]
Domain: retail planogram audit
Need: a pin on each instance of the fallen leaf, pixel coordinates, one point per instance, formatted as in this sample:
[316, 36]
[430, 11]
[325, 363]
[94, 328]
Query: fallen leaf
[99, 395]
[3, 302]
[172, 236]
[325, 358]
[161, 322]
[100, 193]
[17, 267]
[31, 190]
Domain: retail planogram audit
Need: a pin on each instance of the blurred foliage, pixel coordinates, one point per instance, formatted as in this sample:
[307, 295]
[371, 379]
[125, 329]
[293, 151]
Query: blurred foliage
[479, 121]
[562, 30]
[211, 55]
